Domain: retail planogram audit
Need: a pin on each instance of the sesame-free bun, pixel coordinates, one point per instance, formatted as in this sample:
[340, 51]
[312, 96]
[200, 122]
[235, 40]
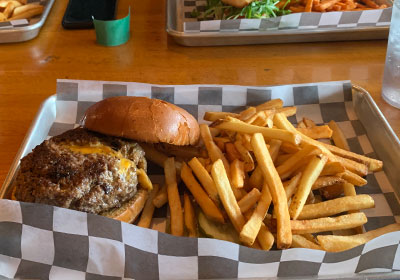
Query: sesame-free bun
[143, 119]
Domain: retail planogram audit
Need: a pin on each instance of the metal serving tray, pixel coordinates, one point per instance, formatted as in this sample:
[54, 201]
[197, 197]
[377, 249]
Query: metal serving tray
[25, 33]
[174, 27]
[380, 134]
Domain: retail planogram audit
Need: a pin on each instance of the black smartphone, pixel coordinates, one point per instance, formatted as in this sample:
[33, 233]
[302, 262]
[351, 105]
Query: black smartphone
[78, 14]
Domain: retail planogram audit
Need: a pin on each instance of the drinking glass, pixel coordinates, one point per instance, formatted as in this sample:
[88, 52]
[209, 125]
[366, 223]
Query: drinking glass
[391, 76]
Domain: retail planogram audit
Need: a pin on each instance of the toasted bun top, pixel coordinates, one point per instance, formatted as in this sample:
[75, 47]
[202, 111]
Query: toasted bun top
[143, 119]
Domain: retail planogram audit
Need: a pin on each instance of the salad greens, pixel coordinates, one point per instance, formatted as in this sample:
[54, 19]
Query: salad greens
[215, 9]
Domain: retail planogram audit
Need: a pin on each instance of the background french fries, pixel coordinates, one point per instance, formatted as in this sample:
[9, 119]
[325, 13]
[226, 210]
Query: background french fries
[12, 10]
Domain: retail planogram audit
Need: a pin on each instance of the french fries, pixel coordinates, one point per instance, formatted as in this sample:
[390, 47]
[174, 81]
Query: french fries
[300, 241]
[256, 159]
[148, 210]
[220, 178]
[236, 125]
[205, 203]
[213, 151]
[308, 178]
[338, 136]
[204, 178]
[330, 5]
[252, 227]
[213, 116]
[161, 197]
[237, 174]
[335, 243]
[249, 200]
[317, 132]
[14, 10]
[336, 206]
[190, 220]
[174, 200]
[328, 224]
[284, 234]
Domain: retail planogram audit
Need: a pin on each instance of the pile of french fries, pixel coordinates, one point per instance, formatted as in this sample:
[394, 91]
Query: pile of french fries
[275, 183]
[329, 5]
[18, 9]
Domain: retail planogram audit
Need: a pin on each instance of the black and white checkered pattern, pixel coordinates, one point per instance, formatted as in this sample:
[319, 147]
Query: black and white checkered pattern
[85, 246]
[340, 20]
[46, 242]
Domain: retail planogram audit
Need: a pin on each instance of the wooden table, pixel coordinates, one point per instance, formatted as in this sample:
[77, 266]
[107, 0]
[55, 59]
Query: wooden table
[28, 71]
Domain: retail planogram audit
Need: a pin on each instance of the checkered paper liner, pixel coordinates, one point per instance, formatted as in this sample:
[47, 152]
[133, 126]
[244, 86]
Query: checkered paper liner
[301, 21]
[21, 22]
[40, 241]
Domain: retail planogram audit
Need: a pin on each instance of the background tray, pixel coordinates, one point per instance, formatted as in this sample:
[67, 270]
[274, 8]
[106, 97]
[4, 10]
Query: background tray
[175, 27]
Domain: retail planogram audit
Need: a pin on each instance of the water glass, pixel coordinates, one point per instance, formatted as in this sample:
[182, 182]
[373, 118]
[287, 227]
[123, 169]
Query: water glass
[391, 76]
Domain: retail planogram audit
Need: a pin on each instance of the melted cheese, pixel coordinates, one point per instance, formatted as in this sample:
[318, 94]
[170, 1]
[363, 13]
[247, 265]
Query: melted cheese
[124, 163]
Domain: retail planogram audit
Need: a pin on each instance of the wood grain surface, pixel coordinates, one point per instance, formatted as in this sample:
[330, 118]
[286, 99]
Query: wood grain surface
[28, 71]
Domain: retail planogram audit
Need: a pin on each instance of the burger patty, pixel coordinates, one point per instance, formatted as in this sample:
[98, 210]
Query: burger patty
[81, 170]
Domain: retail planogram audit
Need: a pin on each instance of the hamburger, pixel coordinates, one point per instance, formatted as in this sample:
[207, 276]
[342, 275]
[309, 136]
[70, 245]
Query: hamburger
[97, 167]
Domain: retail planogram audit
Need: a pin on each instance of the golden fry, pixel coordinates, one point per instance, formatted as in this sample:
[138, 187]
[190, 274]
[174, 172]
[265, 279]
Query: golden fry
[174, 200]
[338, 137]
[296, 160]
[252, 227]
[328, 224]
[336, 206]
[237, 174]
[247, 114]
[189, 216]
[206, 204]
[213, 151]
[213, 116]
[316, 132]
[249, 200]
[284, 234]
[272, 104]
[291, 185]
[373, 164]
[245, 155]
[231, 152]
[270, 133]
[205, 178]
[353, 178]
[310, 175]
[161, 197]
[300, 241]
[148, 210]
[332, 168]
[265, 238]
[335, 243]
[219, 175]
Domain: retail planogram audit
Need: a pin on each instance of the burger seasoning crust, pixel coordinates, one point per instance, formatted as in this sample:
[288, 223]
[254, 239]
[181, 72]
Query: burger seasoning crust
[57, 173]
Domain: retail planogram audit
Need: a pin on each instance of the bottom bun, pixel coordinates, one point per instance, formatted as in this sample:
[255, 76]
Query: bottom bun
[127, 213]
[130, 210]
